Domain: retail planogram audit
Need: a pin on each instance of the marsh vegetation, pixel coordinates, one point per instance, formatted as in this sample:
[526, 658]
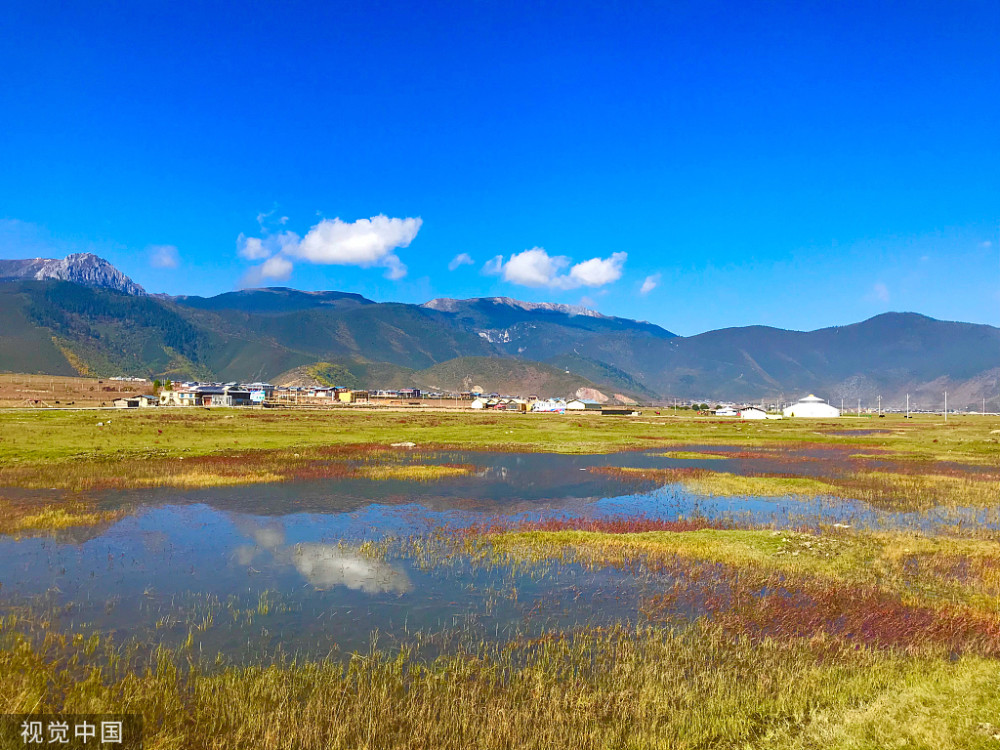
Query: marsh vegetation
[716, 585]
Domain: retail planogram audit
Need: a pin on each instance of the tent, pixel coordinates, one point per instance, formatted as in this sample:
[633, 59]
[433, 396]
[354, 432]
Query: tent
[813, 407]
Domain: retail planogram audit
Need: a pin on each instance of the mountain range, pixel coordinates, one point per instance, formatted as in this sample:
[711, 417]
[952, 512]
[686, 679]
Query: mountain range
[80, 315]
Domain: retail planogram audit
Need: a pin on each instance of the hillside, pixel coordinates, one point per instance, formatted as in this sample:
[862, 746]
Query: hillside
[107, 325]
[501, 375]
[273, 300]
[485, 374]
[888, 355]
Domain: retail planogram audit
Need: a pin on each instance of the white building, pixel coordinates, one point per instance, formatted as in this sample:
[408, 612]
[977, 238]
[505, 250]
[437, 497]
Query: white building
[813, 407]
[479, 403]
[752, 412]
[726, 411]
[582, 404]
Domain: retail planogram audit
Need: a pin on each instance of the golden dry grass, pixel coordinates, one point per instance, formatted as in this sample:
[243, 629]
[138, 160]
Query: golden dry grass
[18, 517]
[644, 688]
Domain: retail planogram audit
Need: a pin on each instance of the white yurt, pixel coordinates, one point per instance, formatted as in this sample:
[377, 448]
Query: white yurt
[813, 407]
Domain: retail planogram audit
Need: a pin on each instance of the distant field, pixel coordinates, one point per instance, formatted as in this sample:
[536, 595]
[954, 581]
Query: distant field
[41, 391]
[80, 449]
[70, 434]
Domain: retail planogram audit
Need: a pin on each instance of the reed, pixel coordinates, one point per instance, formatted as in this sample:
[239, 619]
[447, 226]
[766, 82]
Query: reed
[647, 687]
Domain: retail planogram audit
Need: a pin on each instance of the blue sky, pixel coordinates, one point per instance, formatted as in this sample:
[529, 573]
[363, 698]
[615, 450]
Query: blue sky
[797, 165]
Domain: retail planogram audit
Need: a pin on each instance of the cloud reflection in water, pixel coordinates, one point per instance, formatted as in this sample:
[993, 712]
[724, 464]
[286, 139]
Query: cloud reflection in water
[329, 565]
[322, 565]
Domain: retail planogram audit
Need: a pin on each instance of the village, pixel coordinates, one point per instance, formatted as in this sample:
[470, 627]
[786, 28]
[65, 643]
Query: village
[266, 395]
[130, 392]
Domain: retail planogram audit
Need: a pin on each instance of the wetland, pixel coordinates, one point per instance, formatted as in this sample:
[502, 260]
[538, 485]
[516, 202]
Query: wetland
[507, 581]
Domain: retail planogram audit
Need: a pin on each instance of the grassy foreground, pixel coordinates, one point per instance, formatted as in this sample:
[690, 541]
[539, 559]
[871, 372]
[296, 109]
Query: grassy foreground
[646, 688]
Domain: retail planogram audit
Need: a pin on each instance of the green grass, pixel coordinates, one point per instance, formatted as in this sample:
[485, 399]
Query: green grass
[200, 448]
[64, 435]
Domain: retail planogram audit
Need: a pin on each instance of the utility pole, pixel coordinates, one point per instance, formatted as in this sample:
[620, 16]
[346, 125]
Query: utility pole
[859, 407]
[907, 405]
[946, 406]
[880, 405]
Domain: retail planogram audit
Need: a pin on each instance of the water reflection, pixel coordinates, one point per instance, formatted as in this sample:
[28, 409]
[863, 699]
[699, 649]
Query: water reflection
[328, 565]
[286, 564]
[323, 565]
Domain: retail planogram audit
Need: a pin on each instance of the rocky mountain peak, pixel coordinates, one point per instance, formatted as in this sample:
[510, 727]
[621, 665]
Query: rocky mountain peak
[81, 268]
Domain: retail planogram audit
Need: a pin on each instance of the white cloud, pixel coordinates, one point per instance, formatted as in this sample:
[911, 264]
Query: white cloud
[251, 248]
[365, 243]
[164, 256]
[268, 220]
[536, 268]
[462, 259]
[493, 266]
[650, 283]
[880, 291]
[276, 267]
[986, 245]
[395, 269]
[599, 271]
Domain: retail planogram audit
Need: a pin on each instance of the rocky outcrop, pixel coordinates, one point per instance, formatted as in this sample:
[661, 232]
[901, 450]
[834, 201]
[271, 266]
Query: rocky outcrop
[80, 268]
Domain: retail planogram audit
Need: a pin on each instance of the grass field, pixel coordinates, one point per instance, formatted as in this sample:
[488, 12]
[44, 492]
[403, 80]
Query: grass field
[907, 464]
[756, 637]
[36, 436]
